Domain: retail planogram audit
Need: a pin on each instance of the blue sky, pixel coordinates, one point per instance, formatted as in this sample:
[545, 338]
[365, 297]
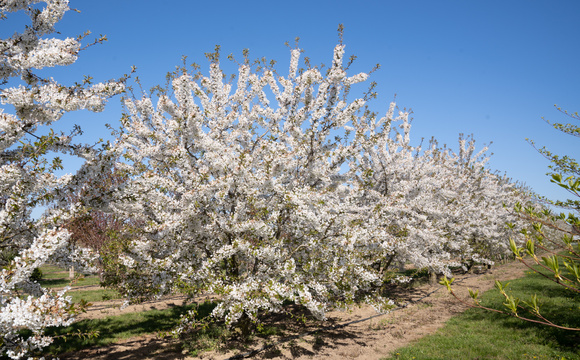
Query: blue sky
[491, 68]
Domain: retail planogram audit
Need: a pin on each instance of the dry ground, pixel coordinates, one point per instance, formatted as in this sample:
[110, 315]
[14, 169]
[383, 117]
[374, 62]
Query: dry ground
[429, 308]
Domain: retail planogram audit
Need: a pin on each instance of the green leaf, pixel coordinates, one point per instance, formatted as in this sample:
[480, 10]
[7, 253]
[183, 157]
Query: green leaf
[533, 304]
[447, 282]
[501, 287]
[530, 248]
[512, 304]
[552, 263]
[473, 294]
[574, 269]
[514, 248]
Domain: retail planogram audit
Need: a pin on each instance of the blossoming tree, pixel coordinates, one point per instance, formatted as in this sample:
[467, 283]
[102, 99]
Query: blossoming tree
[243, 199]
[443, 208]
[282, 188]
[27, 178]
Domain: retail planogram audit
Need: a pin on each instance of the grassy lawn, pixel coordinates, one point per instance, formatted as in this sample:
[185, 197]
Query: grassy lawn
[51, 269]
[64, 281]
[115, 328]
[55, 277]
[478, 334]
[93, 295]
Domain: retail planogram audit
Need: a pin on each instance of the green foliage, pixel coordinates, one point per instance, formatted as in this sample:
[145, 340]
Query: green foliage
[6, 256]
[36, 275]
[113, 271]
[556, 236]
[565, 170]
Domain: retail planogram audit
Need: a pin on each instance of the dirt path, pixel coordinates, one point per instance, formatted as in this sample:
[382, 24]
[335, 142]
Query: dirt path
[368, 339]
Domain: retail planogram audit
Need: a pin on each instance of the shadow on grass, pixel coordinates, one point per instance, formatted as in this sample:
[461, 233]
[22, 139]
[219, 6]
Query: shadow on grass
[213, 336]
[114, 328]
[62, 282]
[294, 330]
[52, 283]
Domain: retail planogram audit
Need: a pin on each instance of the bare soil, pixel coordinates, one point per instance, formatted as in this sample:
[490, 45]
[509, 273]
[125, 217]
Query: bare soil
[347, 335]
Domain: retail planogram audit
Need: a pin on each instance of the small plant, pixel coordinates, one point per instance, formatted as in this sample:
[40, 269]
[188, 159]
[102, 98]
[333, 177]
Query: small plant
[36, 275]
[205, 339]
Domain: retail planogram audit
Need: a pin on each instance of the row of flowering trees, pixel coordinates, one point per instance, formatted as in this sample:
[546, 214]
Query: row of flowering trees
[271, 189]
[284, 188]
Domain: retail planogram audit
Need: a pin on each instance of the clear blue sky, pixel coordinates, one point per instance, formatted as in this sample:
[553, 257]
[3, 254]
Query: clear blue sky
[491, 68]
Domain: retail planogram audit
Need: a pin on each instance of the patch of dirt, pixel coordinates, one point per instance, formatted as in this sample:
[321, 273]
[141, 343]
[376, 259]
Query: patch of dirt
[429, 307]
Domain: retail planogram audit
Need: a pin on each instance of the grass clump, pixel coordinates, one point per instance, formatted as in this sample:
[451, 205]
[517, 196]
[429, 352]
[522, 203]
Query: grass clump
[207, 338]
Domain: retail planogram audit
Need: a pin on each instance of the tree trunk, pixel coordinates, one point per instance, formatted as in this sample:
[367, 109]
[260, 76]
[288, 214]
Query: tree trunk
[432, 278]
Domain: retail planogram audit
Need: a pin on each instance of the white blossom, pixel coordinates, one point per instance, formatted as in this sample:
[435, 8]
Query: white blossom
[26, 181]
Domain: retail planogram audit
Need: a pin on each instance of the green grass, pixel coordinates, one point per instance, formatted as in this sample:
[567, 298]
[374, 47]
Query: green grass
[215, 335]
[62, 282]
[93, 295]
[479, 334]
[205, 339]
[49, 269]
[475, 334]
[55, 277]
[115, 328]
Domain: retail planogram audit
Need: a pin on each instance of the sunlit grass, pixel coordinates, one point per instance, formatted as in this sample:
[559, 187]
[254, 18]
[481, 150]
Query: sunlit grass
[93, 295]
[55, 277]
[479, 334]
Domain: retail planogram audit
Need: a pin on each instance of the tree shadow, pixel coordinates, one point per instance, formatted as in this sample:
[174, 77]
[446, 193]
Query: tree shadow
[111, 329]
